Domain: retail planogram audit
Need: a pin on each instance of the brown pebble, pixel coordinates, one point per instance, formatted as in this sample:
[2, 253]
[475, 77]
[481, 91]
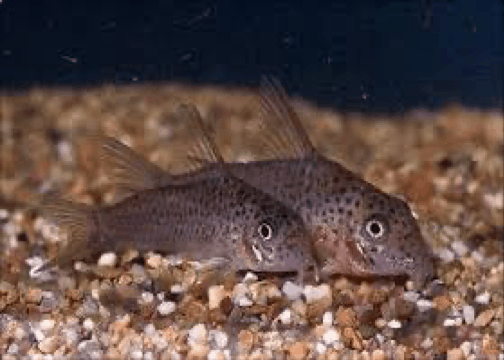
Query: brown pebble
[352, 338]
[441, 342]
[442, 302]
[346, 317]
[48, 345]
[490, 345]
[484, 318]
[298, 350]
[8, 294]
[378, 354]
[455, 354]
[246, 340]
[34, 295]
[198, 352]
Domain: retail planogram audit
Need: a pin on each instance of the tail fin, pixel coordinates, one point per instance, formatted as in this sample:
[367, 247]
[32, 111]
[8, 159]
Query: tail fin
[78, 221]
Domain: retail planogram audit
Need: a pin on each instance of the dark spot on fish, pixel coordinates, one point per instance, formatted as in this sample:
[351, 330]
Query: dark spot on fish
[340, 210]
[350, 213]
[336, 179]
[331, 210]
[357, 203]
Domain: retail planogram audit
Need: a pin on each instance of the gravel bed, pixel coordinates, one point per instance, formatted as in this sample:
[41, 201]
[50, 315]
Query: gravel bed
[448, 165]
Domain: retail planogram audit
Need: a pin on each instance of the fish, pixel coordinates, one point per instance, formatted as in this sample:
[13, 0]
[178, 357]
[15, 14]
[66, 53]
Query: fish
[358, 230]
[215, 216]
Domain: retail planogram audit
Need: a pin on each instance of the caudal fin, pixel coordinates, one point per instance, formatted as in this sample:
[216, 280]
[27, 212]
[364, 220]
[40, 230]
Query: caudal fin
[77, 221]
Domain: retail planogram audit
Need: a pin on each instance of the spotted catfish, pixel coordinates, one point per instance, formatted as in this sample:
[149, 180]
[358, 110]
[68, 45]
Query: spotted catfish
[361, 231]
[212, 216]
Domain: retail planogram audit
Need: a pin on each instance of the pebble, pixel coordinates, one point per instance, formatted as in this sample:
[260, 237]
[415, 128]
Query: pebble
[285, 317]
[292, 290]
[468, 312]
[394, 324]
[411, 296]
[327, 318]
[215, 295]
[241, 296]
[449, 322]
[197, 335]
[220, 338]
[216, 355]
[378, 354]
[483, 298]
[455, 354]
[166, 308]
[424, 305]
[48, 345]
[330, 336]
[446, 255]
[107, 259]
[484, 318]
[466, 348]
[154, 261]
[459, 247]
[47, 325]
[298, 350]
[4, 214]
[317, 293]
[198, 351]
[320, 348]
[147, 297]
[88, 324]
[250, 278]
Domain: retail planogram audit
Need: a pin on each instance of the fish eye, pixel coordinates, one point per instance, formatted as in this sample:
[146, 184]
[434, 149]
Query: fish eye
[375, 228]
[265, 231]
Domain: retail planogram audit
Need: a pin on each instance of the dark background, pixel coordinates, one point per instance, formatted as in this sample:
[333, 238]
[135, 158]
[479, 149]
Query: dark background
[370, 55]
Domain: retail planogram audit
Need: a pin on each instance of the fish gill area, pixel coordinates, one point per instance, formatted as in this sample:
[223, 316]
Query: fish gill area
[448, 165]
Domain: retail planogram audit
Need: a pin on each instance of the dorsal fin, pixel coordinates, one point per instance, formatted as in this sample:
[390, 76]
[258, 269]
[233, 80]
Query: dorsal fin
[130, 171]
[205, 149]
[284, 134]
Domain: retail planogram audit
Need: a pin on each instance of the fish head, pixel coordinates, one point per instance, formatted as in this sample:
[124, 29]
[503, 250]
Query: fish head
[277, 240]
[389, 240]
[371, 234]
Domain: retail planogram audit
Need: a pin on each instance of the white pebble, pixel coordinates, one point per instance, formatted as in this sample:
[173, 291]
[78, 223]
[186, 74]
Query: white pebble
[320, 348]
[394, 324]
[285, 317]
[468, 312]
[4, 214]
[327, 318]
[449, 322]
[150, 330]
[65, 152]
[316, 293]
[459, 247]
[483, 298]
[331, 336]
[197, 335]
[220, 338]
[292, 290]
[147, 297]
[427, 343]
[166, 308]
[466, 348]
[411, 296]
[446, 255]
[244, 301]
[136, 354]
[47, 325]
[177, 289]
[477, 256]
[107, 259]
[88, 324]
[216, 355]
[250, 278]
[424, 305]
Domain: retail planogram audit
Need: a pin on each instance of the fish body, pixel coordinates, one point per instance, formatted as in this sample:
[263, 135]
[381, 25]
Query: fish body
[215, 216]
[358, 230]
